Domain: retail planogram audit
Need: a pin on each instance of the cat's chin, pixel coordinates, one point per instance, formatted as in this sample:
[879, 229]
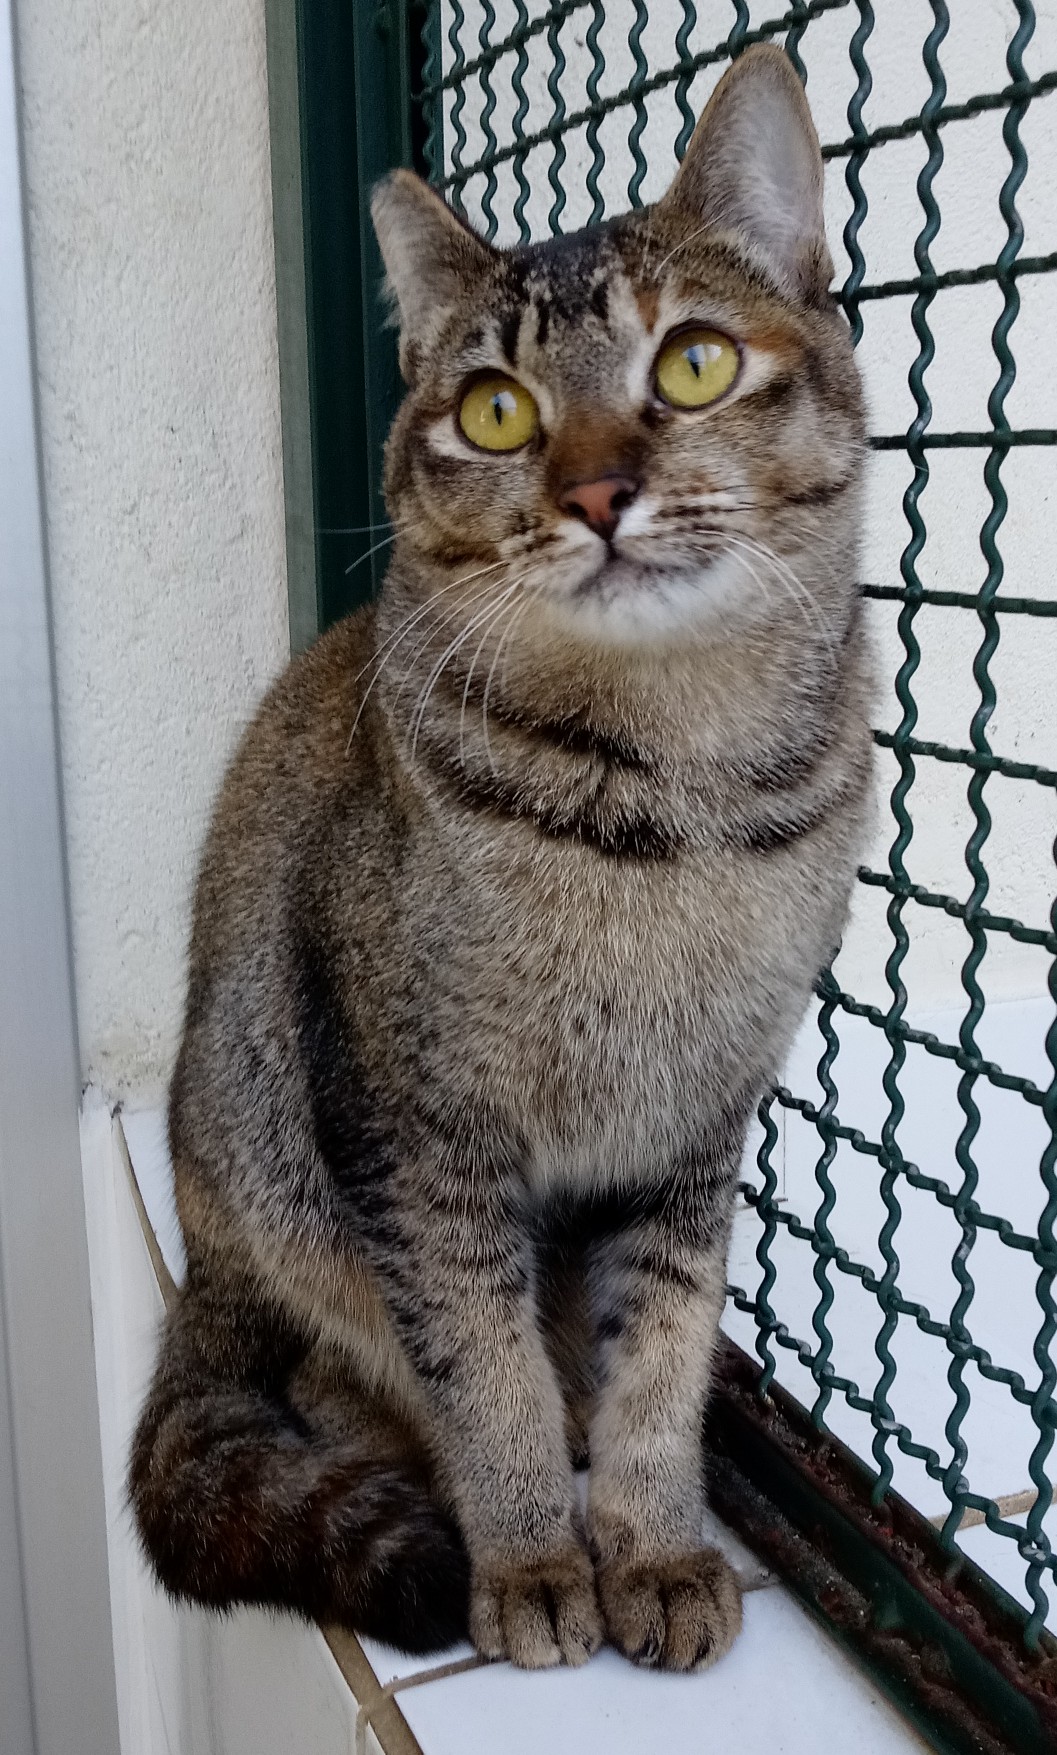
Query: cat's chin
[625, 602]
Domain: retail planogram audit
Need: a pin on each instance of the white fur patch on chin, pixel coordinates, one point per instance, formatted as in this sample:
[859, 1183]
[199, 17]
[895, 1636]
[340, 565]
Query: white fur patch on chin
[631, 607]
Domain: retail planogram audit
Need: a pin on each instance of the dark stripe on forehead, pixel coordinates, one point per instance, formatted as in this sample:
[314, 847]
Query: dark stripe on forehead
[543, 322]
[568, 274]
[509, 329]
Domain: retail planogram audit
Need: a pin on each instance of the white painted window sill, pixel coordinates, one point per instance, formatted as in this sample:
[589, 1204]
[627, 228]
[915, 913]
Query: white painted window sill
[785, 1689]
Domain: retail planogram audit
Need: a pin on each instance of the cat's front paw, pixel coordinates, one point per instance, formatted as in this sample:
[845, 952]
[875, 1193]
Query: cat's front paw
[676, 1613]
[536, 1613]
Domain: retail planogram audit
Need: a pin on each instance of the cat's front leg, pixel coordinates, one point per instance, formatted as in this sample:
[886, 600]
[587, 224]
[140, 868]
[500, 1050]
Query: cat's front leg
[657, 1290]
[468, 1315]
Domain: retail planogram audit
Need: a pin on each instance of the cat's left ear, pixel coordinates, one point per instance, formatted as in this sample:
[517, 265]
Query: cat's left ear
[753, 166]
[432, 260]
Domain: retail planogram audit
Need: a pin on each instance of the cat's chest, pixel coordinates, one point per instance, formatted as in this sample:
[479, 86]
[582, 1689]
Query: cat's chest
[622, 1000]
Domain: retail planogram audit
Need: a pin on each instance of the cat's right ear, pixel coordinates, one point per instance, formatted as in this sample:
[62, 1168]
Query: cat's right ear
[753, 166]
[433, 261]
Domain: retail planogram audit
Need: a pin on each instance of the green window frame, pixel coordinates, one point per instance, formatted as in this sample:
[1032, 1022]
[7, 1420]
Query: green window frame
[340, 78]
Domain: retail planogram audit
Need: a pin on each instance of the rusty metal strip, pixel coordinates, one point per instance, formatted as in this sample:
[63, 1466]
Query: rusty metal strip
[376, 1707]
[933, 1631]
[166, 1284]
[374, 1713]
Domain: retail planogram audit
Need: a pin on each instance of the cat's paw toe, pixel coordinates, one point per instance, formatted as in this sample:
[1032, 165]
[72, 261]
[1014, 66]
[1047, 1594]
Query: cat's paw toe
[537, 1613]
[677, 1613]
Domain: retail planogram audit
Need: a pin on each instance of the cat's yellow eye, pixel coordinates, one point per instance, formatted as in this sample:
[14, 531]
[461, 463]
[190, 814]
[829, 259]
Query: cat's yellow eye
[696, 367]
[498, 414]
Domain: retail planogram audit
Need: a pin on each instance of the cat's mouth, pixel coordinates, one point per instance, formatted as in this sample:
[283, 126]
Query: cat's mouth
[613, 571]
[622, 567]
[655, 582]
[628, 596]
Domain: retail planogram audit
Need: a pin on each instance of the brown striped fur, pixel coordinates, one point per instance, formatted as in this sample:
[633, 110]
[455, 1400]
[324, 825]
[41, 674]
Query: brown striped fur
[511, 904]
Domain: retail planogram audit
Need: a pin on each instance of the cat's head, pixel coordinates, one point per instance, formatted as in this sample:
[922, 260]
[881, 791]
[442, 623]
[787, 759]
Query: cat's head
[653, 424]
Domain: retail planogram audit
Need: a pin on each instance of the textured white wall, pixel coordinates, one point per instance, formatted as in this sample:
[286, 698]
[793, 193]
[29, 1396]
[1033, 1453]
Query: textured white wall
[150, 211]
[146, 134]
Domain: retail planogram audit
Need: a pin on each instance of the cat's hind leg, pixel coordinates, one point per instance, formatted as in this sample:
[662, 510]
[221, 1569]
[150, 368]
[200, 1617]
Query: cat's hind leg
[244, 1491]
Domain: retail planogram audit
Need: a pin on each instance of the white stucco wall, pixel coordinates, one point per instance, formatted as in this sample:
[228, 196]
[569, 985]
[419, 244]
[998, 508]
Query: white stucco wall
[147, 149]
[146, 134]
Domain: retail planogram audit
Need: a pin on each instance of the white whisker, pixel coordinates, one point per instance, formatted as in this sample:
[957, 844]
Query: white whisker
[681, 245]
[506, 661]
[443, 621]
[400, 633]
[418, 713]
[466, 691]
[755, 577]
[386, 540]
[360, 529]
[503, 638]
[430, 603]
[794, 586]
[810, 610]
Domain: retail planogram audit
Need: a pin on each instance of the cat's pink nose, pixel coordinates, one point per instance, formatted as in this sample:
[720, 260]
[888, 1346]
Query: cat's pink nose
[599, 504]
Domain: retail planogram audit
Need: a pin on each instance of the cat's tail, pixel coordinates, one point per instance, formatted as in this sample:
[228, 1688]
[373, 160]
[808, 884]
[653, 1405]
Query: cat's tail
[241, 1497]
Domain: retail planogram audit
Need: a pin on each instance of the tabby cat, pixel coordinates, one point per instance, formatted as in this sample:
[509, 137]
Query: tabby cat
[511, 904]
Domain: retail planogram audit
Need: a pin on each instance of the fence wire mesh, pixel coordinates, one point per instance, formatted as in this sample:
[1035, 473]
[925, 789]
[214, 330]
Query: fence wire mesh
[894, 1263]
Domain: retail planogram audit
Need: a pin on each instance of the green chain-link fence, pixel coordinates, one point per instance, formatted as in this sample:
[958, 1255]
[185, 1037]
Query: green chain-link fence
[530, 129]
[894, 1264]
